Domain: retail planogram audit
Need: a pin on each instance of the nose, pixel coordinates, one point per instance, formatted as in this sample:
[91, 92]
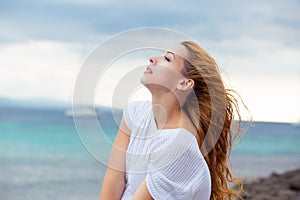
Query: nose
[153, 60]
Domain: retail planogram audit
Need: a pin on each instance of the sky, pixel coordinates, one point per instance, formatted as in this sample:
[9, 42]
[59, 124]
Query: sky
[255, 43]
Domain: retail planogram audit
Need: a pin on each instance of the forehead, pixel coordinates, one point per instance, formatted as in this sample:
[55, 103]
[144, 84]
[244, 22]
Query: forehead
[180, 51]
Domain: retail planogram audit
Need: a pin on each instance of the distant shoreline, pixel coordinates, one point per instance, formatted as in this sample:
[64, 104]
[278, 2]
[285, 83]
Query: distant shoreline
[56, 104]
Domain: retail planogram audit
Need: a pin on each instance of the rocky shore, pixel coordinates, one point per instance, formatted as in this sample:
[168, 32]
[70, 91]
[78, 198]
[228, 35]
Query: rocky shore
[276, 187]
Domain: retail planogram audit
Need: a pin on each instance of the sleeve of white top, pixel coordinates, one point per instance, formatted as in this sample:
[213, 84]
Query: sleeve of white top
[128, 113]
[181, 179]
[134, 112]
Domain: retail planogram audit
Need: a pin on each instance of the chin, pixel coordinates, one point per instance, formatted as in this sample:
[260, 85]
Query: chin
[143, 80]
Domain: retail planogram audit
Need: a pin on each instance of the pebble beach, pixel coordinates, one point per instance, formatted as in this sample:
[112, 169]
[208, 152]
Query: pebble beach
[284, 186]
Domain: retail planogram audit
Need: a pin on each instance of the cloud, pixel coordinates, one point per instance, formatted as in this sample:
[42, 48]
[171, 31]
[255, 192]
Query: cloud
[39, 69]
[250, 57]
[270, 98]
[87, 22]
[43, 43]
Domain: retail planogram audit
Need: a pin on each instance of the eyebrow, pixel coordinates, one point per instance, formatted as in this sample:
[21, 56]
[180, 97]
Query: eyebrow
[171, 53]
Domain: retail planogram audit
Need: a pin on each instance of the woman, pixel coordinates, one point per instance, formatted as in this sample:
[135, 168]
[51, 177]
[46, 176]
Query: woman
[177, 146]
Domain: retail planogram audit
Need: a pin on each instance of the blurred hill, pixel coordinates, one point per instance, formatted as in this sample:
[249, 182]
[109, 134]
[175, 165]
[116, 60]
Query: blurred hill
[34, 103]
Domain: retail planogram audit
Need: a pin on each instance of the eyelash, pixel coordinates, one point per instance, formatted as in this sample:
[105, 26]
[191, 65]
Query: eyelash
[167, 58]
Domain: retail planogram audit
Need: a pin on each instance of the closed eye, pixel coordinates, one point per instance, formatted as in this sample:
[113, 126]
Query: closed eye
[167, 59]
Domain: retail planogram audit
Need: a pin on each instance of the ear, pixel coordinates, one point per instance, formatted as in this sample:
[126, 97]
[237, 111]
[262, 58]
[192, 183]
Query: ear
[185, 84]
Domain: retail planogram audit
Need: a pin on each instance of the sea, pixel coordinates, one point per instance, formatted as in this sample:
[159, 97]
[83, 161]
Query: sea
[43, 156]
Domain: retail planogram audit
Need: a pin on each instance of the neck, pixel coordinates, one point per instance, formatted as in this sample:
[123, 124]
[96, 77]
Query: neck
[166, 110]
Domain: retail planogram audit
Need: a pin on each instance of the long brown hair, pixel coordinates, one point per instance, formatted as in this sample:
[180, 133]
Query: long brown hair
[208, 85]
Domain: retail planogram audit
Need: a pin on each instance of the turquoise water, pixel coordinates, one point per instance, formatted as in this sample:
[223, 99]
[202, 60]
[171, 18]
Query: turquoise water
[270, 139]
[266, 148]
[42, 156]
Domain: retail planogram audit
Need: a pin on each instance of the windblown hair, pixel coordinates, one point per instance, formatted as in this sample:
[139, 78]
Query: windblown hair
[211, 108]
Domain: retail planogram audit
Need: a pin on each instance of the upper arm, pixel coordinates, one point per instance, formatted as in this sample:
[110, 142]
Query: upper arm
[142, 192]
[114, 180]
[118, 152]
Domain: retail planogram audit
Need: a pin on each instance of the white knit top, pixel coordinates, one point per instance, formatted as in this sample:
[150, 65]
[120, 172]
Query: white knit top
[168, 159]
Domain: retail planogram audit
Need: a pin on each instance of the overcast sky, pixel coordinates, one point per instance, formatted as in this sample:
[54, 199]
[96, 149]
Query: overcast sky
[257, 44]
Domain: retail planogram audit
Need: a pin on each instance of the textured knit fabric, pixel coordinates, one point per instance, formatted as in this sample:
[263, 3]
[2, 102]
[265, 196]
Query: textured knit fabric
[168, 159]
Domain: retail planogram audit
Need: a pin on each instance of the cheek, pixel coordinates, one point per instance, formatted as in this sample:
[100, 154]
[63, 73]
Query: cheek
[167, 77]
[163, 77]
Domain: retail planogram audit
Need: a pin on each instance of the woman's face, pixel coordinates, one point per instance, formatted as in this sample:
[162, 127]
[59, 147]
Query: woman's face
[164, 71]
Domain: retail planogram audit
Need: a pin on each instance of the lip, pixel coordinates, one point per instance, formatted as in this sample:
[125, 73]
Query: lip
[148, 70]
